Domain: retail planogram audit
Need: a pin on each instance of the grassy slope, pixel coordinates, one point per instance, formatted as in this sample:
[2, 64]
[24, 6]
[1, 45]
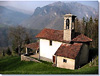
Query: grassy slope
[13, 65]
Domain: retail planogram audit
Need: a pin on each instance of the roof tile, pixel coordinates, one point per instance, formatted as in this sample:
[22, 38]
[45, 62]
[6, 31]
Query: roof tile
[82, 38]
[69, 51]
[57, 35]
[33, 45]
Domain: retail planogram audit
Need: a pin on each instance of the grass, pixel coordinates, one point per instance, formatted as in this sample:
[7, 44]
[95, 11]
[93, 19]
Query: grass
[13, 65]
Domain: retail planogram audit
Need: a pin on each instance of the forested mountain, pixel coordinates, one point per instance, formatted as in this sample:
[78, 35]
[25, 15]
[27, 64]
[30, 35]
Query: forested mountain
[51, 16]
[11, 17]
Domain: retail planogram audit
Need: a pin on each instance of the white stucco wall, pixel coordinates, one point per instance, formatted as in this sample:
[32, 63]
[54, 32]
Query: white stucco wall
[70, 64]
[46, 50]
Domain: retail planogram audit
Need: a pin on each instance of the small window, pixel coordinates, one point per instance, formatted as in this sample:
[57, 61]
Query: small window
[64, 60]
[50, 42]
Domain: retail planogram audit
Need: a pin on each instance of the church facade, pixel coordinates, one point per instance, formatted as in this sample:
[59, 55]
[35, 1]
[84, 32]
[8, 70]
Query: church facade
[65, 48]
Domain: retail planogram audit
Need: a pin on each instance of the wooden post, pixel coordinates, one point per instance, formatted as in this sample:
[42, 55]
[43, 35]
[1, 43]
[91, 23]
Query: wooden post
[90, 63]
[26, 51]
[36, 52]
[95, 63]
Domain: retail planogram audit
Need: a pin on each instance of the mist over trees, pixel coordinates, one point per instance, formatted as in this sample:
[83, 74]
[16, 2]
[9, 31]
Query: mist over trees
[19, 37]
[16, 37]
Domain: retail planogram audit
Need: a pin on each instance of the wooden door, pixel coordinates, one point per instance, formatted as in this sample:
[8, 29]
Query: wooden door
[53, 59]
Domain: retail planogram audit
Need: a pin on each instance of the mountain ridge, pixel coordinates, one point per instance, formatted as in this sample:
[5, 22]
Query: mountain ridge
[51, 16]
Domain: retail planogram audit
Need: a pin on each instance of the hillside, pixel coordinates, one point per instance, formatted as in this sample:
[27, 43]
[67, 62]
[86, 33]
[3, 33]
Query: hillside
[13, 65]
[11, 17]
[51, 16]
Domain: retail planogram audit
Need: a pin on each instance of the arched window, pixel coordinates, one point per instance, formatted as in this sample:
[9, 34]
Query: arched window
[67, 23]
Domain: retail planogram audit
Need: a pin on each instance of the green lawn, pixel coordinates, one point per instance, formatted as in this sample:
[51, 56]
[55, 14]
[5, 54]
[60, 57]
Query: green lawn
[13, 65]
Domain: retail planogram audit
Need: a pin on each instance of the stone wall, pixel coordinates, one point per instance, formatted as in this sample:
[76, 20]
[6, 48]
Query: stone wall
[26, 58]
[69, 64]
[67, 35]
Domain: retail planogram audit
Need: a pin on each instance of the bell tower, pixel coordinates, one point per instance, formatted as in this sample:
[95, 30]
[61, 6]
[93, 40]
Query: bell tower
[69, 26]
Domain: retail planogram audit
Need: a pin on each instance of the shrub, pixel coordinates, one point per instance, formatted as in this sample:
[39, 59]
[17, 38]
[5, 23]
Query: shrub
[8, 51]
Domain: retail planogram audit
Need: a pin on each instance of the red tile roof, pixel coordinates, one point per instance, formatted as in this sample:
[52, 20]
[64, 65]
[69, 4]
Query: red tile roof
[82, 38]
[33, 45]
[51, 34]
[69, 51]
[57, 35]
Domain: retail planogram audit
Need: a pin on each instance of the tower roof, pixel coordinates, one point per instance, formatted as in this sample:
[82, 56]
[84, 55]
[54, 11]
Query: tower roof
[69, 15]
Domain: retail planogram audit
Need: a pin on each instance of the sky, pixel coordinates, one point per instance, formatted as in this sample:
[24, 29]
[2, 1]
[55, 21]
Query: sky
[27, 5]
[31, 5]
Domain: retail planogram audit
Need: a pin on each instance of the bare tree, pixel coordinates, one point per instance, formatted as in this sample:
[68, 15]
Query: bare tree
[19, 37]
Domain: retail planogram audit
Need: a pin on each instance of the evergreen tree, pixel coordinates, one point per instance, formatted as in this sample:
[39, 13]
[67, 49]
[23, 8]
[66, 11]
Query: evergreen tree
[86, 28]
[83, 25]
[96, 32]
[77, 25]
[89, 27]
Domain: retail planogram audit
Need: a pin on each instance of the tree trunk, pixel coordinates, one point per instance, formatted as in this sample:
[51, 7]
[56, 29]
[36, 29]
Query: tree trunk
[19, 51]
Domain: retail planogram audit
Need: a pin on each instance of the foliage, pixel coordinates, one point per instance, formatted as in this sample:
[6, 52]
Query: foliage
[93, 52]
[89, 27]
[19, 37]
[13, 65]
[9, 51]
[3, 53]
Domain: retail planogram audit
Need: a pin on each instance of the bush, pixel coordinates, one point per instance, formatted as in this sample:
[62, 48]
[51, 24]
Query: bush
[93, 52]
[3, 53]
[8, 51]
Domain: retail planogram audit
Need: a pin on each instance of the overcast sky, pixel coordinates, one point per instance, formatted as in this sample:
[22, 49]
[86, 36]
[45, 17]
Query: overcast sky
[31, 5]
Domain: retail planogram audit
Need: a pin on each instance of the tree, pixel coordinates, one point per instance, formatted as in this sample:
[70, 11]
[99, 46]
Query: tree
[3, 53]
[86, 28]
[96, 32]
[77, 25]
[8, 51]
[89, 27]
[19, 37]
[83, 25]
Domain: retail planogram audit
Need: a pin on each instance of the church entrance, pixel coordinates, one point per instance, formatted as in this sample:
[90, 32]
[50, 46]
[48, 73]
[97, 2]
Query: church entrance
[54, 59]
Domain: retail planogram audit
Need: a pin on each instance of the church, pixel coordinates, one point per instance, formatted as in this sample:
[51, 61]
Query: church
[64, 48]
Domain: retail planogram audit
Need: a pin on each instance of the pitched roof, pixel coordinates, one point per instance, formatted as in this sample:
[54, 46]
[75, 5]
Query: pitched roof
[69, 51]
[57, 35]
[51, 34]
[33, 45]
[81, 38]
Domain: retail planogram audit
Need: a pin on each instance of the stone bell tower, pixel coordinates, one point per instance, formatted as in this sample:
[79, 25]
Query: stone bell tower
[69, 26]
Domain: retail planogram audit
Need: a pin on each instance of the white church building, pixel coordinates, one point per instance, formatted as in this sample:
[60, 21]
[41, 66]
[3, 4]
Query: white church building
[64, 48]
